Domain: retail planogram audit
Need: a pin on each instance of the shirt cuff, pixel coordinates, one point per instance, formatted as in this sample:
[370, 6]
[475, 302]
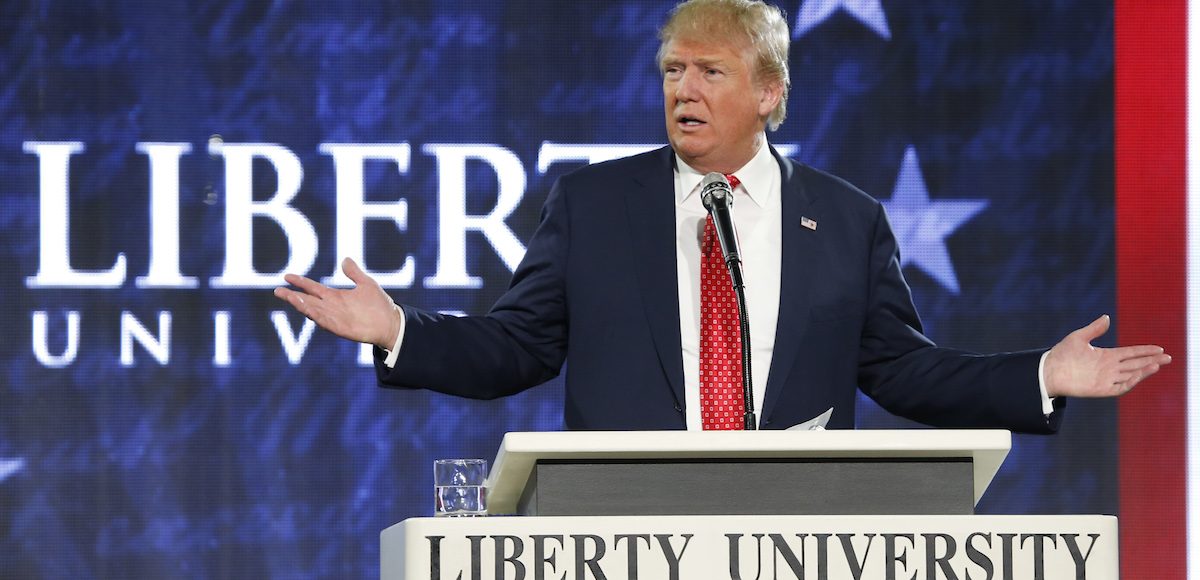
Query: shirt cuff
[1047, 402]
[394, 352]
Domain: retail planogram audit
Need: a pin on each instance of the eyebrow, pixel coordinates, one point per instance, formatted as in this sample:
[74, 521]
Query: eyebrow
[701, 61]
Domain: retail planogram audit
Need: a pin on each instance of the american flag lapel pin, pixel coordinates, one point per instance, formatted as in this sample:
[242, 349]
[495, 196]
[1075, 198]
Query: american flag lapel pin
[808, 223]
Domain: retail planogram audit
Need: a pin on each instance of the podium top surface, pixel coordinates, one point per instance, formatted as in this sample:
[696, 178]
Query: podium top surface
[520, 451]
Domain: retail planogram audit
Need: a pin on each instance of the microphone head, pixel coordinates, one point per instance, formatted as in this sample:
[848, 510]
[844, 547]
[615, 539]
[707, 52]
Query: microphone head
[715, 189]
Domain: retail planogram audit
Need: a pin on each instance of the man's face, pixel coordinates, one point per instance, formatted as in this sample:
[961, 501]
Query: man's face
[715, 109]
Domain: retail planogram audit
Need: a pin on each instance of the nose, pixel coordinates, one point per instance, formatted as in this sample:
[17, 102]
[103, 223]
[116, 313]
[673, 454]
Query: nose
[687, 88]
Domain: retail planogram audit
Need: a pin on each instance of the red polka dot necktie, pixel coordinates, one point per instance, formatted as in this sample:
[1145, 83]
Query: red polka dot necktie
[721, 397]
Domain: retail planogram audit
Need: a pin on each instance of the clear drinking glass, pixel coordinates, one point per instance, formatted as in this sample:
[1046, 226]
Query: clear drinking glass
[458, 487]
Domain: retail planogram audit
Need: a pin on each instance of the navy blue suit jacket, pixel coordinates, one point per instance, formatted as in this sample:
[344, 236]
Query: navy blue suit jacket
[598, 289]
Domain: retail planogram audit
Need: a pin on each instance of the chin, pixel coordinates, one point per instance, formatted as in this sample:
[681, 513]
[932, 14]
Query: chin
[689, 150]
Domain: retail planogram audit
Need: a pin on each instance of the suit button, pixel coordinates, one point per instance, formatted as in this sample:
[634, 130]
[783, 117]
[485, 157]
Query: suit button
[678, 409]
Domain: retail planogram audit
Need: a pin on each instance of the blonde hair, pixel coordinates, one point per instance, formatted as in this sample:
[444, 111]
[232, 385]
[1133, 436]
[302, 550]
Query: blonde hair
[762, 25]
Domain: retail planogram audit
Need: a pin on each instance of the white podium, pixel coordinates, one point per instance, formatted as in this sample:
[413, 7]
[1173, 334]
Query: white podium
[744, 472]
[658, 505]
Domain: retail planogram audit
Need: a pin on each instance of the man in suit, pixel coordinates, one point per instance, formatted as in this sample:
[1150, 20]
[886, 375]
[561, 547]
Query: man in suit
[829, 308]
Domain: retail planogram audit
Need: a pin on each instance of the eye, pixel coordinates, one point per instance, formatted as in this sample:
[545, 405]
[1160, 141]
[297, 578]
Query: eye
[714, 73]
[672, 71]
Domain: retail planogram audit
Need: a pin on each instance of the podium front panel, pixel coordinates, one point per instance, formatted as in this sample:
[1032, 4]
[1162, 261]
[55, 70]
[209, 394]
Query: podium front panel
[733, 486]
[747, 547]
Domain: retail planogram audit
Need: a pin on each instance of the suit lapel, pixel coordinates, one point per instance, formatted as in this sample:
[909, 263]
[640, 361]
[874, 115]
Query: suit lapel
[650, 205]
[795, 265]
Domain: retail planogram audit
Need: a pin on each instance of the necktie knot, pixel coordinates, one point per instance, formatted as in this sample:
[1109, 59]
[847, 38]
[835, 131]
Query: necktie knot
[734, 182]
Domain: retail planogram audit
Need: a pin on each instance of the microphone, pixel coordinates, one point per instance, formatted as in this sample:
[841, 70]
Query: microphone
[717, 197]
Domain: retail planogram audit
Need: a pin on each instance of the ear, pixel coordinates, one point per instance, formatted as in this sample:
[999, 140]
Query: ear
[769, 98]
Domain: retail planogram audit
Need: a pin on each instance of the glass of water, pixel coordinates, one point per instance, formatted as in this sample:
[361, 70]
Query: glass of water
[458, 487]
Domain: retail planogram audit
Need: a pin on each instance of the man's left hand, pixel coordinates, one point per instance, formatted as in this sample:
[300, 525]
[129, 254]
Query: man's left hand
[1075, 368]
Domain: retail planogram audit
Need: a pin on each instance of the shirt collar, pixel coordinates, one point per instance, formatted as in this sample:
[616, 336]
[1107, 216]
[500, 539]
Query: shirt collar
[755, 176]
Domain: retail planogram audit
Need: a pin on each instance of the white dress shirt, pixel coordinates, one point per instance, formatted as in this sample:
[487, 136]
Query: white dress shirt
[757, 215]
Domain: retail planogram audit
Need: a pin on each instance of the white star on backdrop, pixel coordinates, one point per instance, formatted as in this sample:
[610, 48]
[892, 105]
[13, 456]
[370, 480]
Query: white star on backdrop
[922, 226]
[9, 467]
[869, 12]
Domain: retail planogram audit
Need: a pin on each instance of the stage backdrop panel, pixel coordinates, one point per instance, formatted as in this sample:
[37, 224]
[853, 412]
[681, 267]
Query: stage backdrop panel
[162, 415]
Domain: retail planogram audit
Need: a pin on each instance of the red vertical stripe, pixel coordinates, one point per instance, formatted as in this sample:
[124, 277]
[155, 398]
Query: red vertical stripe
[1151, 209]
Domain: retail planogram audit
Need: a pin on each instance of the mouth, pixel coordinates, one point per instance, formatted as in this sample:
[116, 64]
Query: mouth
[689, 121]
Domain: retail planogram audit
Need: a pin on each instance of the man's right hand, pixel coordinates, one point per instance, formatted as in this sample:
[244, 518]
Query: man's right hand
[364, 313]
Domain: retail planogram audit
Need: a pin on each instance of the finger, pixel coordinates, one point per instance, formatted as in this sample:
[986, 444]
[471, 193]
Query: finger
[1135, 376]
[1130, 364]
[292, 278]
[297, 301]
[350, 267]
[310, 287]
[1095, 330]
[1122, 377]
[1125, 353]
[1139, 377]
[290, 296]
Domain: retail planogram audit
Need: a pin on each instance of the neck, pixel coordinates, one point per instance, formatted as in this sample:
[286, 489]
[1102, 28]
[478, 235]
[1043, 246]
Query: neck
[726, 165]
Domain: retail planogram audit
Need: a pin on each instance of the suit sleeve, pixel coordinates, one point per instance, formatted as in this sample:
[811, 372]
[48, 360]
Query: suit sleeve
[909, 376]
[519, 344]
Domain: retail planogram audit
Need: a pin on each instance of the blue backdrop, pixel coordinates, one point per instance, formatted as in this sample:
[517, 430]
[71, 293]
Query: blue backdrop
[163, 416]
